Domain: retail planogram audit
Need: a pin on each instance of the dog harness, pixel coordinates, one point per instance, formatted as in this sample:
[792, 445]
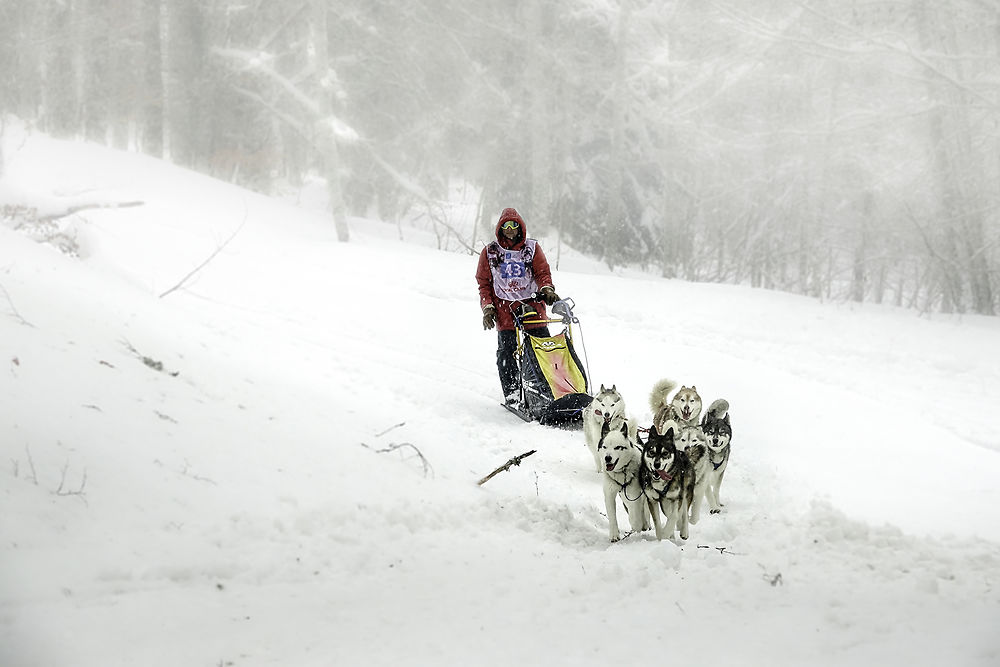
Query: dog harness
[711, 457]
[649, 476]
[622, 487]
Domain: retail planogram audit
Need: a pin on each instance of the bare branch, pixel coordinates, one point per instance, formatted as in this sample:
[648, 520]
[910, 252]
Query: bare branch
[255, 62]
[31, 464]
[197, 478]
[148, 361]
[905, 50]
[515, 461]
[721, 550]
[394, 447]
[83, 207]
[394, 426]
[209, 259]
[79, 492]
[13, 310]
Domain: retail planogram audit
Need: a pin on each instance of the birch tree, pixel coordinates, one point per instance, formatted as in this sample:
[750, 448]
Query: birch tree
[327, 126]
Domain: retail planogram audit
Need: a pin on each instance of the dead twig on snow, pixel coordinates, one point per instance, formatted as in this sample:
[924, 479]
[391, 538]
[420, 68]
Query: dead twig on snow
[148, 361]
[394, 426]
[721, 550]
[515, 461]
[394, 447]
[209, 259]
[31, 464]
[79, 492]
[70, 210]
[13, 310]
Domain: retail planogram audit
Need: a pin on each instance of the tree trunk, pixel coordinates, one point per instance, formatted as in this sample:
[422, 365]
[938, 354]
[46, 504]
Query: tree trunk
[859, 275]
[166, 84]
[961, 257]
[541, 141]
[619, 102]
[327, 140]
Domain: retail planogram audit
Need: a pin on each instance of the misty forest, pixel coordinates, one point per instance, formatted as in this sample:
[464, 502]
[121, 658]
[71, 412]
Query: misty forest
[842, 149]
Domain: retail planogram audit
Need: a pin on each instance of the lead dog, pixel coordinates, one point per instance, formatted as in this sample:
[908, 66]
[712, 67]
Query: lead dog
[607, 408]
[719, 433]
[684, 407]
[667, 481]
[621, 479]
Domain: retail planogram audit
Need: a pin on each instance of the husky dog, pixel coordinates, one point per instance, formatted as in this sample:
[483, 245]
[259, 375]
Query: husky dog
[607, 408]
[621, 478]
[667, 481]
[719, 434]
[684, 408]
[694, 443]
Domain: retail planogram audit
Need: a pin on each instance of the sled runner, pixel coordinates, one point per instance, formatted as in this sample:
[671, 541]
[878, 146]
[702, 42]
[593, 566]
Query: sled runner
[553, 384]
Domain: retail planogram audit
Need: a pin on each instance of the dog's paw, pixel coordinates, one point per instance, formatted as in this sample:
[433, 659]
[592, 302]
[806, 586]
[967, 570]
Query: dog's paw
[715, 512]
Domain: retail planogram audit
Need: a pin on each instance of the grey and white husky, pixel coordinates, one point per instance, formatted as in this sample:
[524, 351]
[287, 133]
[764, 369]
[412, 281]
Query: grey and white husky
[667, 481]
[694, 443]
[621, 479]
[719, 434]
[684, 407]
[607, 408]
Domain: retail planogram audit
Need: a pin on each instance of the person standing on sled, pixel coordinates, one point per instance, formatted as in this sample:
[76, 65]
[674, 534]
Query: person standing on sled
[512, 269]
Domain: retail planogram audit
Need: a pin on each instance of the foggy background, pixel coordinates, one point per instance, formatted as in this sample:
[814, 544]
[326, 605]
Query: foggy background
[836, 148]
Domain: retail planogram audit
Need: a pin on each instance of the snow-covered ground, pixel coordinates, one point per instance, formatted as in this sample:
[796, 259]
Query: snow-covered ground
[260, 500]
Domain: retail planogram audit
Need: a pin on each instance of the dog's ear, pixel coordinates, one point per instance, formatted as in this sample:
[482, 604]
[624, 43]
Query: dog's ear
[605, 428]
[624, 429]
[602, 388]
[726, 419]
[614, 388]
[653, 431]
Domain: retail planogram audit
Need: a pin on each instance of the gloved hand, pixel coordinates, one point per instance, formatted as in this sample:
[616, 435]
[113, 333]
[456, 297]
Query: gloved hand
[489, 317]
[549, 296]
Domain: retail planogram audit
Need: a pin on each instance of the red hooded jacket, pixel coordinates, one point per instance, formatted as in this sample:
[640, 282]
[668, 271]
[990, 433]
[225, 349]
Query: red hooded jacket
[510, 271]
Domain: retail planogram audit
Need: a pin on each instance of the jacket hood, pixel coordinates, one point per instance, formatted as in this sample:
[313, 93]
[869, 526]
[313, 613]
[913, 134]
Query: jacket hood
[518, 241]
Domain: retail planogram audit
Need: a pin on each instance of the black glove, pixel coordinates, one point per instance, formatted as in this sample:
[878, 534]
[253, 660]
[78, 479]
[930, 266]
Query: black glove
[549, 296]
[489, 317]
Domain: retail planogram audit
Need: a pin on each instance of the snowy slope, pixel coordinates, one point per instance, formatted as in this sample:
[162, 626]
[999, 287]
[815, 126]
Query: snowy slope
[235, 507]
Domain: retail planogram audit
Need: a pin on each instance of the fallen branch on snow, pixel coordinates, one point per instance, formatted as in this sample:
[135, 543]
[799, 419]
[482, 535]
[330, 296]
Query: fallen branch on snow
[394, 447]
[394, 426]
[149, 361]
[79, 492]
[516, 461]
[13, 310]
[721, 550]
[209, 259]
[70, 210]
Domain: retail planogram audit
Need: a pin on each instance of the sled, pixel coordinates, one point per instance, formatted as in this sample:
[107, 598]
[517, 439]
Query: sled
[553, 387]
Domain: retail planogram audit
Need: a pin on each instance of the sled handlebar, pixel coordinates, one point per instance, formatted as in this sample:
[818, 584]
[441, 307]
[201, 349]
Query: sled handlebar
[562, 307]
[533, 322]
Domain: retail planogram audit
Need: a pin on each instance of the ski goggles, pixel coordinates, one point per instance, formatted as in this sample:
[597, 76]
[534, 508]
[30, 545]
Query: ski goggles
[511, 224]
